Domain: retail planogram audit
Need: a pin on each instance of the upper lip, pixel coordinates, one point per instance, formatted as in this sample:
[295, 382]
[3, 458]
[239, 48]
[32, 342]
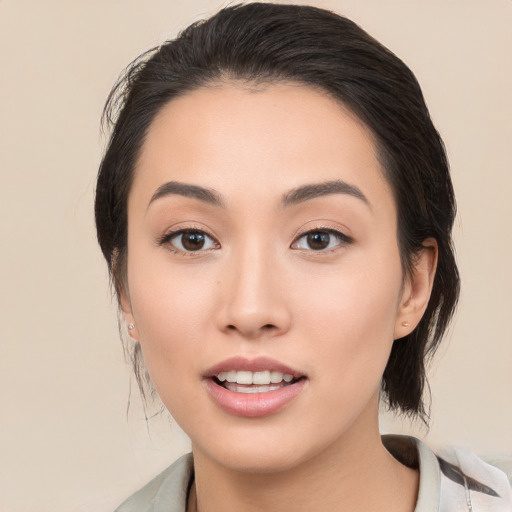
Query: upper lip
[258, 364]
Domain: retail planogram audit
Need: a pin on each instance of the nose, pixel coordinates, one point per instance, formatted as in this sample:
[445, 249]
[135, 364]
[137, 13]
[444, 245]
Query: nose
[253, 299]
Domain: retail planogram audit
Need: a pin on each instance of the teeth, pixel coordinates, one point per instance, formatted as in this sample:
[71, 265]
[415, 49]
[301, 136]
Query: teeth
[244, 377]
[276, 377]
[253, 389]
[260, 378]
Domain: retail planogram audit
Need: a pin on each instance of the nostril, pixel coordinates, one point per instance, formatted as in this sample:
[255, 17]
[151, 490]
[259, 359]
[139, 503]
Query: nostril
[263, 328]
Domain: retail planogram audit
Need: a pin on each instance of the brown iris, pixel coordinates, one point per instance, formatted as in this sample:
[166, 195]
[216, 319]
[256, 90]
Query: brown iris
[318, 240]
[193, 240]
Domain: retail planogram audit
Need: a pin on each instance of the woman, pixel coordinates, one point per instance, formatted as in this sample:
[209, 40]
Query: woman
[275, 209]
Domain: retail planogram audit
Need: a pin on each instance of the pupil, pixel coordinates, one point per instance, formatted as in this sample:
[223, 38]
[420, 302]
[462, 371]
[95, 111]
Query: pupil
[192, 240]
[318, 240]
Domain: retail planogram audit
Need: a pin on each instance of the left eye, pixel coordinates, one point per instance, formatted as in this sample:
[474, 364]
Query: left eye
[190, 240]
[320, 240]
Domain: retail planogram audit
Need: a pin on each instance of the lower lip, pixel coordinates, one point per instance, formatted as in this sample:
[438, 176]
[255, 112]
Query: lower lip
[253, 405]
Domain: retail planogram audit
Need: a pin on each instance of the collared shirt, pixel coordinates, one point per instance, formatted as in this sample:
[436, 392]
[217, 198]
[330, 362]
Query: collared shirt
[458, 482]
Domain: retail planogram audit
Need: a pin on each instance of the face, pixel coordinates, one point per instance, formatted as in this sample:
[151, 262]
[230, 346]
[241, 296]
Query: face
[264, 276]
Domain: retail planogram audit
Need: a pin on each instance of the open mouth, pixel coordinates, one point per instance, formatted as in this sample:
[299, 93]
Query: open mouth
[253, 388]
[242, 381]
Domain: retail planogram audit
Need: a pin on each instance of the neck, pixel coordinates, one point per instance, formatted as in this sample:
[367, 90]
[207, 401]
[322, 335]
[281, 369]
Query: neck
[356, 473]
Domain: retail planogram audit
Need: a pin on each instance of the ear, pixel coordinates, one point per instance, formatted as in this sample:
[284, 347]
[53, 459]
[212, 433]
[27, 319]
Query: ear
[120, 281]
[417, 289]
[126, 310]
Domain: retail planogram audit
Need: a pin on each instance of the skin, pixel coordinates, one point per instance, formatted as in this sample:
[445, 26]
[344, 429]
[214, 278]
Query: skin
[258, 289]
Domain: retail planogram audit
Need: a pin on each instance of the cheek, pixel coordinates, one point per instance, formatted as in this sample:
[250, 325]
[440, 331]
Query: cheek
[351, 314]
[168, 315]
[167, 298]
[171, 308]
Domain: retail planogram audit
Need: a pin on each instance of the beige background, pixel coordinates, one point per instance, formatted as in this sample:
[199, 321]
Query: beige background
[66, 441]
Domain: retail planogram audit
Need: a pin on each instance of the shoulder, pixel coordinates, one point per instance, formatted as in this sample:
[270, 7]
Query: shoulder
[167, 492]
[502, 463]
[456, 480]
[482, 485]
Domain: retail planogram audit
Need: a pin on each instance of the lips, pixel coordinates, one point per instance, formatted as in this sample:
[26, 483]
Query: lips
[253, 387]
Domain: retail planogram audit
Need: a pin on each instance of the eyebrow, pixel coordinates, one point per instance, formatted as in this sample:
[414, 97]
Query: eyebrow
[315, 190]
[183, 189]
[296, 196]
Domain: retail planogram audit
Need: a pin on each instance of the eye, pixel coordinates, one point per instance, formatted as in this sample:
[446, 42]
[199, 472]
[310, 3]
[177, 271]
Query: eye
[190, 240]
[320, 240]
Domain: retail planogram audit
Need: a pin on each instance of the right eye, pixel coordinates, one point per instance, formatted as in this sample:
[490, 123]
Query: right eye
[190, 240]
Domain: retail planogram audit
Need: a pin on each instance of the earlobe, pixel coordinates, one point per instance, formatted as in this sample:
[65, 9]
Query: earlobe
[126, 310]
[417, 289]
[132, 331]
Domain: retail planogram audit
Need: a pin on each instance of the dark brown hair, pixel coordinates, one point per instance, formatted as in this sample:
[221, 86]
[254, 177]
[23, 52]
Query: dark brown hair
[269, 43]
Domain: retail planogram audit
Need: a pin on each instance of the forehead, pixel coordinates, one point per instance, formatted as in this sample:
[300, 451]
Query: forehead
[274, 138]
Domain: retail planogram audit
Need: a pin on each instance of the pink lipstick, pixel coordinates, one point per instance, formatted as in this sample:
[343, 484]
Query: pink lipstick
[253, 387]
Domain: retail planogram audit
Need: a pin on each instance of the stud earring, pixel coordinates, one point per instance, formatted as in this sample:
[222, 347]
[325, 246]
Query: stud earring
[131, 326]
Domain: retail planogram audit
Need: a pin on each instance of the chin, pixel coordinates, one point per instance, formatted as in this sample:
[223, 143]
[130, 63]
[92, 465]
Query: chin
[257, 460]
[266, 449]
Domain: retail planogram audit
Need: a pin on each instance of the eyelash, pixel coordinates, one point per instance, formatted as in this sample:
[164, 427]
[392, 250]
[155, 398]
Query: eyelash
[168, 237]
[165, 240]
[342, 239]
